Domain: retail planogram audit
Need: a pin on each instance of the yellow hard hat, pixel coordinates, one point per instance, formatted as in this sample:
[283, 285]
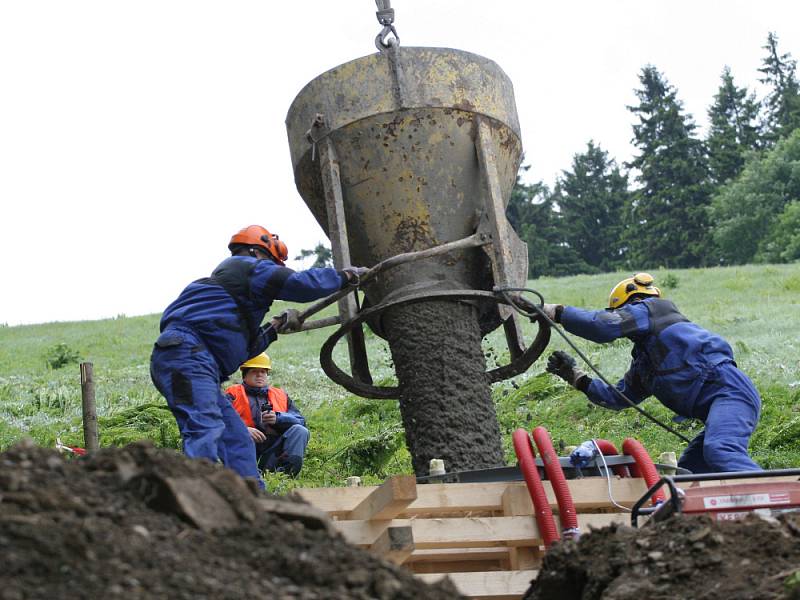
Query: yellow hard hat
[641, 283]
[261, 361]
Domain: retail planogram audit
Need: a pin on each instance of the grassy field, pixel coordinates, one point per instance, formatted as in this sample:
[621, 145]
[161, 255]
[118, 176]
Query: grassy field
[756, 308]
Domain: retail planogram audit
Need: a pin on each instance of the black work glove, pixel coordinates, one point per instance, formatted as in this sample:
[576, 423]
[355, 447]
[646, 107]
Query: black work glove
[563, 365]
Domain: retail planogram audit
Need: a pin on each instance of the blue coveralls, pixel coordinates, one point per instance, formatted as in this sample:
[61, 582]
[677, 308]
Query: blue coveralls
[689, 369]
[207, 332]
[286, 442]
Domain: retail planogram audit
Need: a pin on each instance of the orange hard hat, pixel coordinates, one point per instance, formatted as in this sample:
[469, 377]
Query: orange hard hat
[255, 235]
[281, 251]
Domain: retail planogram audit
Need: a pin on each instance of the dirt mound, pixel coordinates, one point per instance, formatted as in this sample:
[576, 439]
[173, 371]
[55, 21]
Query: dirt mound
[140, 522]
[685, 557]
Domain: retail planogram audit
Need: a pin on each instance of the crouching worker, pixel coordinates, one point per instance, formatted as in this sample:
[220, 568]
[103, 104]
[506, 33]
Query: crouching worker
[689, 369]
[275, 425]
[215, 325]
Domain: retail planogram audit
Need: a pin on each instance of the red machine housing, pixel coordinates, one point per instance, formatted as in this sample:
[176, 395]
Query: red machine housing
[724, 502]
[731, 502]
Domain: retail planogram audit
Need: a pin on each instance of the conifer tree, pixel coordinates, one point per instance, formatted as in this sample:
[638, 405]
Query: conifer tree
[323, 257]
[668, 225]
[733, 129]
[532, 214]
[782, 103]
[755, 216]
[592, 198]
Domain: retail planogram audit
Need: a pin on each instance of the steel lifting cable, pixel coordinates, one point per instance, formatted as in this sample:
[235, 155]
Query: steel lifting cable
[504, 292]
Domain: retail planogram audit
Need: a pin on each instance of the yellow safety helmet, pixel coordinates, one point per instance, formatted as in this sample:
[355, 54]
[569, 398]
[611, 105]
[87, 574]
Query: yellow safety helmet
[641, 283]
[262, 361]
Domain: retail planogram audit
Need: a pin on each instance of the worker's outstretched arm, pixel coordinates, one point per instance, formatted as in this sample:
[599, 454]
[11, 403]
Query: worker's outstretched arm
[282, 283]
[604, 395]
[603, 326]
[564, 366]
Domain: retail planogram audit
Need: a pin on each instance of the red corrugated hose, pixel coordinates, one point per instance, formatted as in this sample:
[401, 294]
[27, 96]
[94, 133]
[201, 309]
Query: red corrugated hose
[552, 466]
[609, 449]
[541, 507]
[644, 466]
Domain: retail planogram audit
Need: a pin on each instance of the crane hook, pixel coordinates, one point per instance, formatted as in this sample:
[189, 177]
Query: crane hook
[385, 17]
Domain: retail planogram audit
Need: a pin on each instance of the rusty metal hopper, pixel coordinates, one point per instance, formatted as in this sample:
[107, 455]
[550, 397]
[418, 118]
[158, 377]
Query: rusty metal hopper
[406, 131]
[405, 151]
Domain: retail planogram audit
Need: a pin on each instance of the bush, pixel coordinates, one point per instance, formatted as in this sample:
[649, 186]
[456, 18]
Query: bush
[61, 355]
[371, 453]
[669, 281]
[149, 421]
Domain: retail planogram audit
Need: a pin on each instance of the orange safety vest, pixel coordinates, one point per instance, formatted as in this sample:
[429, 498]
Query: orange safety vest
[241, 403]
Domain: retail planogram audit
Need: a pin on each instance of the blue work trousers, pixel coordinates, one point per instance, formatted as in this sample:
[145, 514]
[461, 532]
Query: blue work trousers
[187, 375]
[734, 406]
[286, 453]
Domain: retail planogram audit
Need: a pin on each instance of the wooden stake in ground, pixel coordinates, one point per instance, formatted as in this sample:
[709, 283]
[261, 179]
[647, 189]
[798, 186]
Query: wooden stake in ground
[90, 438]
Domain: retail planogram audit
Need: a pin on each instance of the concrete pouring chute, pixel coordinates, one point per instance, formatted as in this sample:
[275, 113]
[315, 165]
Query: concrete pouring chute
[414, 152]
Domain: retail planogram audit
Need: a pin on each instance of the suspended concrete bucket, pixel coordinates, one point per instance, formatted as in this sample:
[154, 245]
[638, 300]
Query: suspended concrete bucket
[409, 150]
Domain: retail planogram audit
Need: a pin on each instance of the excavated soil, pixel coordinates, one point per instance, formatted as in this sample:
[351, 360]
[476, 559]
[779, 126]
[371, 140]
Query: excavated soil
[685, 557]
[445, 399]
[139, 523]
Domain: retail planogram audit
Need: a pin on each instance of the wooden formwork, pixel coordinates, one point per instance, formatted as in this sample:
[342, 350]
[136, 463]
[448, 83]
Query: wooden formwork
[481, 535]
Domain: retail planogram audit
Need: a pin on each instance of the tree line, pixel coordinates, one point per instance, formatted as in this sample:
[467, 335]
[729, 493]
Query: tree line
[682, 201]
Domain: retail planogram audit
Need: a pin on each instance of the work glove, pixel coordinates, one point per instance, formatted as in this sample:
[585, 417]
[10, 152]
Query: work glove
[288, 321]
[354, 275]
[563, 365]
[553, 311]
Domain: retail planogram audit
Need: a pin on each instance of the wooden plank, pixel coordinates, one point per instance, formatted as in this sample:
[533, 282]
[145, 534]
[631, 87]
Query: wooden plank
[516, 501]
[587, 494]
[452, 498]
[388, 500]
[395, 544]
[438, 499]
[466, 532]
[432, 498]
[590, 493]
[458, 566]
[497, 585]
[462, 554]
[523, 558]
[336, 501]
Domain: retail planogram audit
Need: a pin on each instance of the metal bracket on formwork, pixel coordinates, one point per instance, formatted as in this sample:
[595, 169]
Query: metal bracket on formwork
[500, 229]
[337, 227]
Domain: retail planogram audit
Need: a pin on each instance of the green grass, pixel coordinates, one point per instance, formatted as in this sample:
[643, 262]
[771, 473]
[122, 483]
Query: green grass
[756, 308]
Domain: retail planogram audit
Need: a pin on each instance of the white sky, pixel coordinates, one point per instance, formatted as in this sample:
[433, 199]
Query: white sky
[137, 136]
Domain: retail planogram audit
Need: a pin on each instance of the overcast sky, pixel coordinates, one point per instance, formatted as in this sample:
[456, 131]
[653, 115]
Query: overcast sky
[137, 136]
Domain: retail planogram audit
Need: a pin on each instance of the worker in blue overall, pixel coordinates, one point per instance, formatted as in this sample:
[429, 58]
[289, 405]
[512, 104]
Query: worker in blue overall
[214, 326]
[689, 369]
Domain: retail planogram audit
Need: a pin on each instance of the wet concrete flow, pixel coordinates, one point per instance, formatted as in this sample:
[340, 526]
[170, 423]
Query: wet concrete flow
[445, 400]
